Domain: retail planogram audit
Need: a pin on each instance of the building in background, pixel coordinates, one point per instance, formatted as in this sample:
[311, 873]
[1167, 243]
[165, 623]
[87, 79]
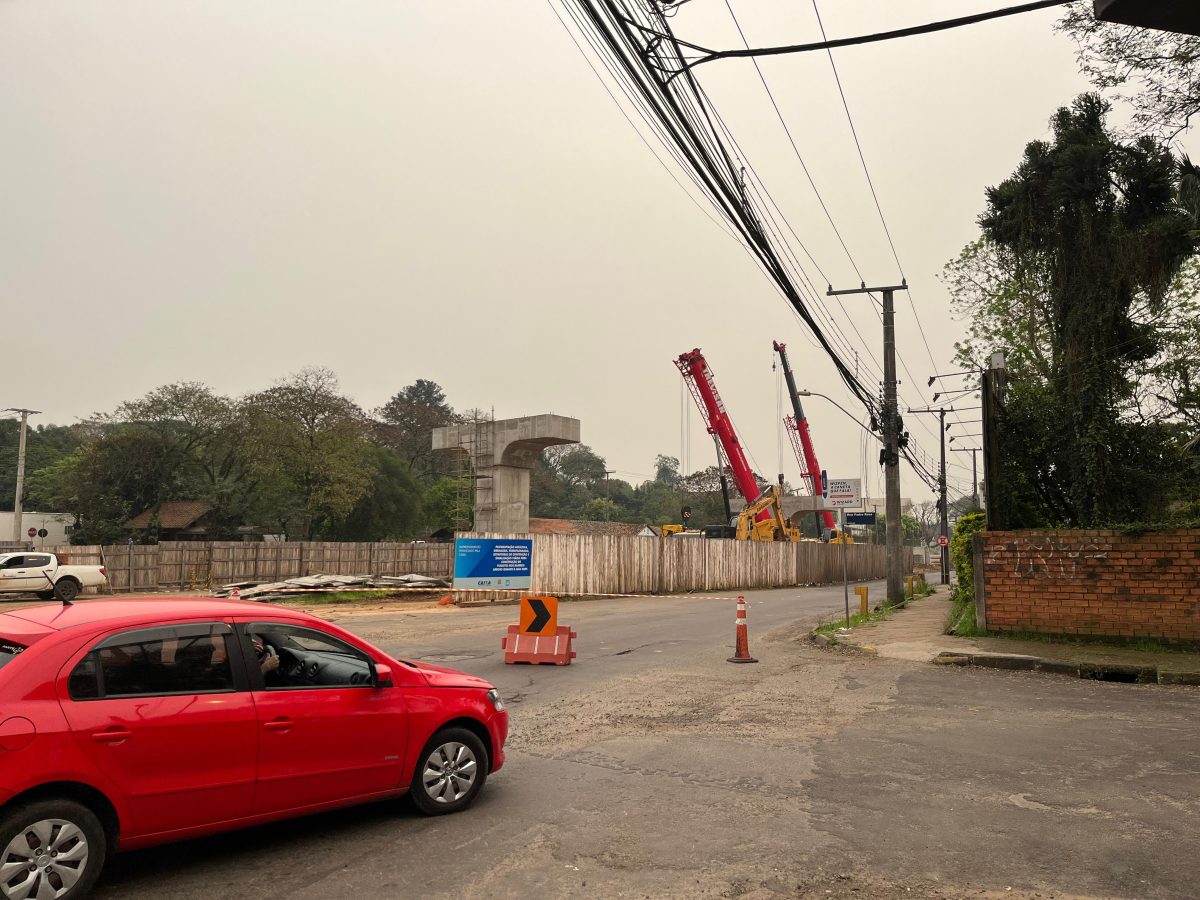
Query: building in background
[56, 525]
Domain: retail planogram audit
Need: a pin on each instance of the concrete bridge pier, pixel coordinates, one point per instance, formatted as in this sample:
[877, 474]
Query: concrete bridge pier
[503, 454]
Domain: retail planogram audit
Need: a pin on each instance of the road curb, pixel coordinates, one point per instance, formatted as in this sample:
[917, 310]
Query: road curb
[1120, 672]
[1019, 662]
[830, 641]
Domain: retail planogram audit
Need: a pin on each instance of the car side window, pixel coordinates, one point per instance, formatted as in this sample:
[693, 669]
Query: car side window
[14, 562]
[36, 562]
[291, 657]
[186, 659]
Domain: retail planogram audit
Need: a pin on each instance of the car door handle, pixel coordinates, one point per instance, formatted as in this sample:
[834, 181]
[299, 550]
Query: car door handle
[280, 724]
[112, 736]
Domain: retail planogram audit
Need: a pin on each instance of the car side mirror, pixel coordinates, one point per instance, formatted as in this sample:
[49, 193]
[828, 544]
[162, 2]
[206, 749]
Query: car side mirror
[383, 675]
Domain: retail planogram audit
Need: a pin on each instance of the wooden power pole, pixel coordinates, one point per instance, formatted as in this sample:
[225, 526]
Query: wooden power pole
[18, 534]
[891, 438]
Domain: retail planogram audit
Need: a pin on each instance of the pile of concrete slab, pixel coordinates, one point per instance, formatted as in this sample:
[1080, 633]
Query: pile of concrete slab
[327, 584]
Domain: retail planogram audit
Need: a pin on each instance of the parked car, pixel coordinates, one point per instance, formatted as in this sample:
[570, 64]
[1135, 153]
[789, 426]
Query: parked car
[42, 574]
[127, 723]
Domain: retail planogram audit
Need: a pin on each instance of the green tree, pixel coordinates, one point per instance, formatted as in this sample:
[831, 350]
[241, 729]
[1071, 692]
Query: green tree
[910, 530]
[308, 444]
[447, 501]
[406, 422]
[1081, 248]
[577, 465]
[666, 470]
[600, 509]
[702, 492]
[203, 441]
[75, 484]
[1157, 72]
[546, 490]
[660, 504]
[44, 446]
[391, 507]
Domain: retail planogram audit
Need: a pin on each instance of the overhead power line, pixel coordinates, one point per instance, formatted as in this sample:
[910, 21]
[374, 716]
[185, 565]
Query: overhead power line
[875, 197]
[708, 55]
[633, 38]
[689, 120]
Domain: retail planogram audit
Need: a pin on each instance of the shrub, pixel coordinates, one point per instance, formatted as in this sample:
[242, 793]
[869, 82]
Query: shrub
[960, 553]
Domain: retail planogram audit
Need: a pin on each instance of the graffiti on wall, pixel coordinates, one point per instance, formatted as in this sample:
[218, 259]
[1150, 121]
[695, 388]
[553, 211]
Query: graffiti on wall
[1043, 559]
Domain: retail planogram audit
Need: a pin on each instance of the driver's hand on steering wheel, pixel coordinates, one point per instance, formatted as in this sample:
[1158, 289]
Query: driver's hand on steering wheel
[268, 659]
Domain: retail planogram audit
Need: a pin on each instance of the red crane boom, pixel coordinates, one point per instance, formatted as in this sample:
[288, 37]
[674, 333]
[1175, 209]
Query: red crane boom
[697, 373]
[797, 428]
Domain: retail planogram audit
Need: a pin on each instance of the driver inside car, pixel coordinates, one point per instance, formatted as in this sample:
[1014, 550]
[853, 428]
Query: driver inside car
[268, 661]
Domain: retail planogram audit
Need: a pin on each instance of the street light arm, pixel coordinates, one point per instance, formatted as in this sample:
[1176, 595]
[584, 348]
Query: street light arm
[843, 409]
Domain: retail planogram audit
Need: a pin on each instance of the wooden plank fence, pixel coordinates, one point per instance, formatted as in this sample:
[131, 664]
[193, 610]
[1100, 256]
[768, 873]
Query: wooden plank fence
[562, 563]
[604, 564]
[200, 565]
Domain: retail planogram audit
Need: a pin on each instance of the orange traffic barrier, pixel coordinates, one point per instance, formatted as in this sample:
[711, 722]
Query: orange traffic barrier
[538, 638]
[536, 649]
[741, 653]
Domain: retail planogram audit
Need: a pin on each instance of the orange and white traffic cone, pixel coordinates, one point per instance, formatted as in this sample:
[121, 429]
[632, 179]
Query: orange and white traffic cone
[742, 652]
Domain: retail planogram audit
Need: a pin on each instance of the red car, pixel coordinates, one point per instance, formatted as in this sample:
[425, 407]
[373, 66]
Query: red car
[125, 723]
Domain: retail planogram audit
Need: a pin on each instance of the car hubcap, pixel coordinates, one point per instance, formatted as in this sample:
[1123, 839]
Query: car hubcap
[449, 772]
[43, 861]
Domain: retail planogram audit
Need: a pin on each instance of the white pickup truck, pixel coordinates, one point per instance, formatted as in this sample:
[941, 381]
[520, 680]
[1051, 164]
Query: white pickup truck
[41, 574]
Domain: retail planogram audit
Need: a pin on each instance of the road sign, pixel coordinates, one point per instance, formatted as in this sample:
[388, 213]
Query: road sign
[860, 518]
[32, 532]
[42, 532]
[844, 492]
[493, 564]
[539, 615]
[943, 540]
[824, 483]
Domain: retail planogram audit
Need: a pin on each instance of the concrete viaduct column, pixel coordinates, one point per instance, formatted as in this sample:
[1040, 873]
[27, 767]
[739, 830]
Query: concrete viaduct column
[502, 454]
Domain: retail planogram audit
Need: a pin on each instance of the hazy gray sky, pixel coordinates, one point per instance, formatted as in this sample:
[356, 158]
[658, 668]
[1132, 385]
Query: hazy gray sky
[229, 190]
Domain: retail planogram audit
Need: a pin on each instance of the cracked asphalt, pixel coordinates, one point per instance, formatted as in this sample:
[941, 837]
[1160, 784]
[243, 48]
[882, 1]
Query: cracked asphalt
[653, 768]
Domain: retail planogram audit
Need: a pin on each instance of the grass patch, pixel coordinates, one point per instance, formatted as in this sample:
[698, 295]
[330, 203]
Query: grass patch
[335, 597]
[855, 620]
[877, 615]
[961, 620]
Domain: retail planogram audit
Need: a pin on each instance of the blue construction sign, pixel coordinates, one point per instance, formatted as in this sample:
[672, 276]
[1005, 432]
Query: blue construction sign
[495, 564]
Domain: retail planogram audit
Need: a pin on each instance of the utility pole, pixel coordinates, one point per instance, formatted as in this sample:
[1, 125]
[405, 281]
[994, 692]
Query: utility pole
[890, 455]
[974, 470]
[18, 534]
[945, 543]
[942, 503]
[994, 380]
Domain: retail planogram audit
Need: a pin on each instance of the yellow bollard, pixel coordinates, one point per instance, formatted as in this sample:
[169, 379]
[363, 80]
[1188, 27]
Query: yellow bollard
[862, 590]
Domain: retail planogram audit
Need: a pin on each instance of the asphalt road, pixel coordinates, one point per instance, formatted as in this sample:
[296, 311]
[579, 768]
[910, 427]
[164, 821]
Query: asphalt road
[653, 768]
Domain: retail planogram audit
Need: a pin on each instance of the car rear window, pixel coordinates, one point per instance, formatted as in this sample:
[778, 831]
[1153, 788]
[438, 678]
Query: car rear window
[148, 662]
[9, 650]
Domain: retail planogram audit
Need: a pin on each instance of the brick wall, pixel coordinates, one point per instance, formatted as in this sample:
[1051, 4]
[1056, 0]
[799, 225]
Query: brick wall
[1090, 582]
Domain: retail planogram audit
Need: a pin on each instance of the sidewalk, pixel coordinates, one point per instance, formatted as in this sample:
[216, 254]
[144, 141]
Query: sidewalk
[915, 633]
